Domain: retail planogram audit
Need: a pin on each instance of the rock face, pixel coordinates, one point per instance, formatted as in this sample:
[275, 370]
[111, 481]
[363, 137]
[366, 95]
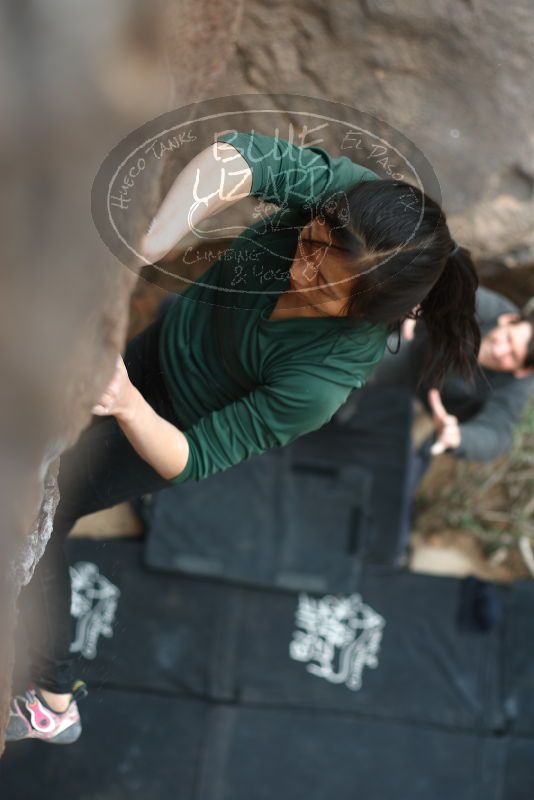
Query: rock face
[75, 78]
[455, 77]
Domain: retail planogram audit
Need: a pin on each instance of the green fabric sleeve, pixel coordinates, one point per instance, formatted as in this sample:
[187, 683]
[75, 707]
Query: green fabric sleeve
[271, 415]
[293, 176]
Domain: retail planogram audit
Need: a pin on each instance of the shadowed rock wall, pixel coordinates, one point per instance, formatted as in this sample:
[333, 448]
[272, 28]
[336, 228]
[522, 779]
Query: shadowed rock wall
[75, 78]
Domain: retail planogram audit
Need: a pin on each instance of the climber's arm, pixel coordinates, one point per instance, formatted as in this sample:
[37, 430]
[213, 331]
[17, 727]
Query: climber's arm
[160, 443]
[214, 179]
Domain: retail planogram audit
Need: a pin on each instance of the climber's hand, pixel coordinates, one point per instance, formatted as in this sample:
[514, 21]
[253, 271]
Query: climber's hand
[119, 395]
[408, 329]
[447, 427]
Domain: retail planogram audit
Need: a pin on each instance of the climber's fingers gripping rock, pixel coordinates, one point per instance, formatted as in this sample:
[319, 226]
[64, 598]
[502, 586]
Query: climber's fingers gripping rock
[117, 395]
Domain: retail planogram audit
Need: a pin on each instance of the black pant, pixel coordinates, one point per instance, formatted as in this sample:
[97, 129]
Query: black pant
[101, 470]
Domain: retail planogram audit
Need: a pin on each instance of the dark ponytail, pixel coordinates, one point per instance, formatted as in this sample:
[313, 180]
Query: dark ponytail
[406, 265]
[448, 311]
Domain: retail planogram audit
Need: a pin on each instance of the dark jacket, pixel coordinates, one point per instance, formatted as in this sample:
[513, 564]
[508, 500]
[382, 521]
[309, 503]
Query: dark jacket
[489, 409]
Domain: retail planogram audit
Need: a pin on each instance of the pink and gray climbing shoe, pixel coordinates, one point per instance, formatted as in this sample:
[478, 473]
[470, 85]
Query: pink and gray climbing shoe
[32, 718]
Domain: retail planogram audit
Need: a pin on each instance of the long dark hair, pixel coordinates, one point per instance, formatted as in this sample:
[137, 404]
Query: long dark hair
[527, 315]
[405, 268]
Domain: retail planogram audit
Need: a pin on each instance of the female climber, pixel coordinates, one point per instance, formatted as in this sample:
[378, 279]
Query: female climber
[265, 346]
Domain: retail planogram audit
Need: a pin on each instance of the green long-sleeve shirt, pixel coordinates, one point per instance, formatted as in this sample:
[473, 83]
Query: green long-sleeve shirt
[240, 382]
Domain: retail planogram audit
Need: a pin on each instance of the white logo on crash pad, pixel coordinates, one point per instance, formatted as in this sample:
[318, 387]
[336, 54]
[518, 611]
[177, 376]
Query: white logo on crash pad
[93, 606]
[338, 637]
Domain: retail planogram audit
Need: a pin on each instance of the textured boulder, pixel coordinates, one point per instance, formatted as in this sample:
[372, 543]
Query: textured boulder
[75, 78]
[455, 77]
